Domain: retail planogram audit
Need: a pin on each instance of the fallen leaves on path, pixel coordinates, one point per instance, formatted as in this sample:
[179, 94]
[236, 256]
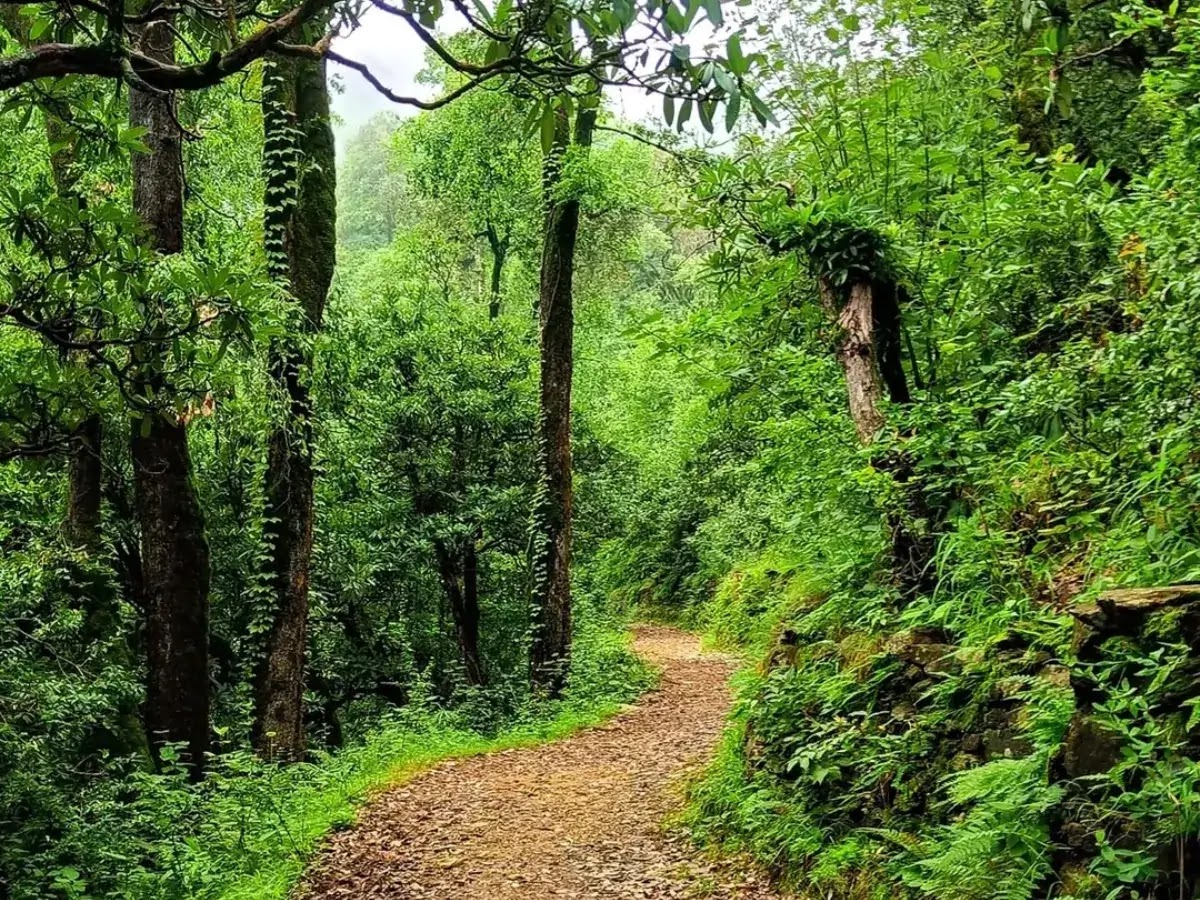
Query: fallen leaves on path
[579, 818]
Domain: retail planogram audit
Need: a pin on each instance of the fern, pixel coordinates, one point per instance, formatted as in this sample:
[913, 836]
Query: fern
[1000, 849]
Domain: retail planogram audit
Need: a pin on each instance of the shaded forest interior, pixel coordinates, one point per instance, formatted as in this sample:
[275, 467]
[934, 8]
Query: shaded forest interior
[870, 355]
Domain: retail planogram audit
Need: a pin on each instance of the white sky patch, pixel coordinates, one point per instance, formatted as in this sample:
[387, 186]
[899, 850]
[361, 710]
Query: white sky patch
[395, 55]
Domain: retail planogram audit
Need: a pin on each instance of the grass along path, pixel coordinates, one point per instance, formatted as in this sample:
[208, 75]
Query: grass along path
[578, 818]
[265, 863]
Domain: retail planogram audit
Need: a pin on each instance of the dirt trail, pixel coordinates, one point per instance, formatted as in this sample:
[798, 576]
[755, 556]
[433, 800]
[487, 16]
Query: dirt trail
[578, 818]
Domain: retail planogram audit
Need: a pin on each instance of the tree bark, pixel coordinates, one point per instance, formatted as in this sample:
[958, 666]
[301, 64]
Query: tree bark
[499, 248]
[459, 574]
[885, 303]
[175, 559]
[300, 229]
[551, 648]
[855, 320]
[869, 352]
[82, 521]
[175, 578]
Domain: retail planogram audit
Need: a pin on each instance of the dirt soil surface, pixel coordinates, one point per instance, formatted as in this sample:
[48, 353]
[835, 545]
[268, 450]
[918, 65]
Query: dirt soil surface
[582, 817]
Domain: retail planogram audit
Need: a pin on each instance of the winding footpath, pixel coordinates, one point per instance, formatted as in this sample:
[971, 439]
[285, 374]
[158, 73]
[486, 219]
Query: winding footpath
[578, 818]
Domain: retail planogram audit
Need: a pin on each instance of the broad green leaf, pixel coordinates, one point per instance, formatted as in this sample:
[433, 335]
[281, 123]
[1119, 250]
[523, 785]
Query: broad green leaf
[548, 127]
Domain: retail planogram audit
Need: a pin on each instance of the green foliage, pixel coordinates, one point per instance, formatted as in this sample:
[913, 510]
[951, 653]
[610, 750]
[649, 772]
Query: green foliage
[914, 746]
[1025, 174]
[370, 194]
[250, 828]
[425, 407]
[1001, 847]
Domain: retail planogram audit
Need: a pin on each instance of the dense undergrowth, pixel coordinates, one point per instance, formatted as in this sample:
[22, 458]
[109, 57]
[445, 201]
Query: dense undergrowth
[250, 829]
[965, 738]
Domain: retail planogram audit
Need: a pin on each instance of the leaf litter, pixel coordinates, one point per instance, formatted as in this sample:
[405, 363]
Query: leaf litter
[578, 818]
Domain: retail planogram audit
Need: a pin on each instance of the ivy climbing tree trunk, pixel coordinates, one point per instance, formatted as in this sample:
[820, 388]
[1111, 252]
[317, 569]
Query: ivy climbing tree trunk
[300, 229]
[175, 558]
[551, 648]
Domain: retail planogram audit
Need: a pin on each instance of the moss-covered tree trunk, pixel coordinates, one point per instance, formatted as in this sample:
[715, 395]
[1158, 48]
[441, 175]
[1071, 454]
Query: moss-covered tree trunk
[551, 648]
[175, 558]
[300, 229]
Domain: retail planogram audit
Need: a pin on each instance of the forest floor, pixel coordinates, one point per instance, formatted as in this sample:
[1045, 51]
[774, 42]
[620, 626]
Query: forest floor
[582, 817]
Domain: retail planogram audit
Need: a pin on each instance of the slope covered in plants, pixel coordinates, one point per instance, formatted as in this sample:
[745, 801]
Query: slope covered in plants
[943, 400]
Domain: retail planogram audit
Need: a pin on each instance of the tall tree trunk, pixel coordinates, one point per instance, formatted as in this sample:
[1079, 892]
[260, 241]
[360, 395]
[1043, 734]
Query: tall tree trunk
[175, 559]
[551, 647]
[300, 229]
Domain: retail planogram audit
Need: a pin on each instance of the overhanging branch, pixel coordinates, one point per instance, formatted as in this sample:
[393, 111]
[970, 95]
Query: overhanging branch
[106, 61]
[364, 70]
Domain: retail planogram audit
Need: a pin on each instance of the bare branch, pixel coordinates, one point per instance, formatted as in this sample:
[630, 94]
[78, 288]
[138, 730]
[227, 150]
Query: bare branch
[363, 70]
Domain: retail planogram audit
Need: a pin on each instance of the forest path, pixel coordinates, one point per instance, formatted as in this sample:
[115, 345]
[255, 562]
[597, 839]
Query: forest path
[580, 818]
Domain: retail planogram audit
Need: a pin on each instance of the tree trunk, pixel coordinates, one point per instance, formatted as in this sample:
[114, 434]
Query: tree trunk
[82, 521]
[300, 227]
[869, 352]
[468, 626]
[551, 648]
[175, 579]
[499, 248]
[855, 321]
[459, 574]
[885, 302]
[175, 560]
